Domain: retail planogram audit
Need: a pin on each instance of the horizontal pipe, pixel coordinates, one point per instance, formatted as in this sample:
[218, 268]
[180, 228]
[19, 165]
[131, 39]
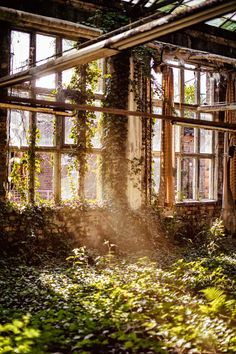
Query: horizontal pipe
[117, 111]
[22, 107]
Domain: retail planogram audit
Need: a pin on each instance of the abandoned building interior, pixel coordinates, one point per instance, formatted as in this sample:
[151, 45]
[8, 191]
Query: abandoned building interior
[122, 101]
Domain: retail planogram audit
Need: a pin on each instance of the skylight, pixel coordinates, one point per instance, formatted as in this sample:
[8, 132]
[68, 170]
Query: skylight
[227, 22]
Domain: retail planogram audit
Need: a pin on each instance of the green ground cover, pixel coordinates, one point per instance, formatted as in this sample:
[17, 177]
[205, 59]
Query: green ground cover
[105, 304]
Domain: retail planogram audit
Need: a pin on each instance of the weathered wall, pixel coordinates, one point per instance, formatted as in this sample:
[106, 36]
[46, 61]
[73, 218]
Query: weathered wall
[53, 229]
[196, 210]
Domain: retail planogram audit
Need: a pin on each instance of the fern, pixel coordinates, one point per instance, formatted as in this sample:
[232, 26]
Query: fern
[216, 298]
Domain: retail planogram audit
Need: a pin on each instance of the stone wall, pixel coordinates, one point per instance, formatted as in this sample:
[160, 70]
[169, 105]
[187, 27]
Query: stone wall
[207, 210]
[54, 229]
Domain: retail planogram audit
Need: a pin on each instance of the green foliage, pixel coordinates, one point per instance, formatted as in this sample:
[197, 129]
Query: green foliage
[108, 21]
[189, 93]
[99, 304]
[114, 166]
[215, 236]
[18, 337]
[81, 91]
[25, 170]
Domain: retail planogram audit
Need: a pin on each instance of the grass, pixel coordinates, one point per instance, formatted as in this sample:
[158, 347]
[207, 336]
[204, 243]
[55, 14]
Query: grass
[104, 304]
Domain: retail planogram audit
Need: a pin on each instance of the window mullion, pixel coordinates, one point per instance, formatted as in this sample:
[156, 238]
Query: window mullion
[32, 129]
[58, 134]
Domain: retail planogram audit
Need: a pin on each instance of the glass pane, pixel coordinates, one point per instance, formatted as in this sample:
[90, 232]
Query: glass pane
[203, 88]
[96, 140]
[176, 73]
[204, 178]
[69, 177]
[206, 141]
[44, 176]
[97, 68]
[189, 86]
[45, 125]
[156, 174]
[19, 56]
[90, 185]
[67, 76]
[156, 139]
[229, 25]
[188, 140]
[177, 134]
[157, 85]
[206, 136]
[187, 178]
[189, 134]
[18, 177]
[67, 45]
[19, 128]
[68, 127]
[45, 48]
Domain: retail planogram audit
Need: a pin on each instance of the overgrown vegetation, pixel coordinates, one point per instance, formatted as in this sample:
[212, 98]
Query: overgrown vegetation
[93, 303]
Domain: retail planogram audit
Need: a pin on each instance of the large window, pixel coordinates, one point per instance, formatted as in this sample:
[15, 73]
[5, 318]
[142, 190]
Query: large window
[55, 173]
[194, 147]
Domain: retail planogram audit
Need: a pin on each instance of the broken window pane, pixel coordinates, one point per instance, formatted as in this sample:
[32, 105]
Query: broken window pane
[45, 48]
[19, 58]
[204, 178]
[189, 87]
[19, 128]
[44, 176]
[45, 125]
[90, 185]
[69, 177]
[187, 178]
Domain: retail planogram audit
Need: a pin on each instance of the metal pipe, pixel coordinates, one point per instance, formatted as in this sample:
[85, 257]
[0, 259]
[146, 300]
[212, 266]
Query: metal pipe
[205, 124]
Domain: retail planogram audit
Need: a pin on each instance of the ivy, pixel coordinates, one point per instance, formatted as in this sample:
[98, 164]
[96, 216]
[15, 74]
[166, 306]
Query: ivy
[81, 91]
[114, 165]
[108, 21]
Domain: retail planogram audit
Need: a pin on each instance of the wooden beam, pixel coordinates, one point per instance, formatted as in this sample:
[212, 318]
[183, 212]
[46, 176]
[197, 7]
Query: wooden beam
[191, 54]
[47, 24]
[62, 106]
[218, 107]
[22, 107]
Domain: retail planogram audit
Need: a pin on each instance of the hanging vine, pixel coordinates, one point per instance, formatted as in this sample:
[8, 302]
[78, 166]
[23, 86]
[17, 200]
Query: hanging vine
[25, 170]
[81, 91]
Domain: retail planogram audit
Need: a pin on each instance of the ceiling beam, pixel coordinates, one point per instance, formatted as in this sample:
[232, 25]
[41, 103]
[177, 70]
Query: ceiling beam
[188, 54]
[130, 38]
[45, 24]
